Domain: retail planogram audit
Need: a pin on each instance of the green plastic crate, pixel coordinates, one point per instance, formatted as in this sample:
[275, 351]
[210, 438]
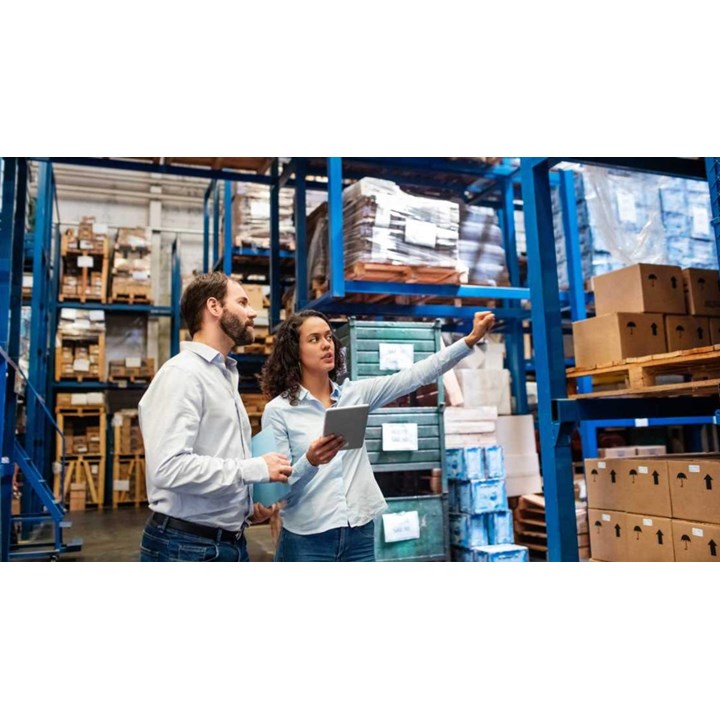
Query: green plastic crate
[433, 543]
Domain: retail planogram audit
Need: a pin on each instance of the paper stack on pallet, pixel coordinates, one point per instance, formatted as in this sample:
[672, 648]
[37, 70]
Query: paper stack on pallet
[481, 246]
[132, 265]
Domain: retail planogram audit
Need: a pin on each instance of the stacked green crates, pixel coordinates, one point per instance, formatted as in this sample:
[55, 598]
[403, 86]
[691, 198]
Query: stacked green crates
[362, 340]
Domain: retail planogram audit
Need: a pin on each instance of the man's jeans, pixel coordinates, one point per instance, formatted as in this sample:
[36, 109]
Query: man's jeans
[168, 545]
[337, 545]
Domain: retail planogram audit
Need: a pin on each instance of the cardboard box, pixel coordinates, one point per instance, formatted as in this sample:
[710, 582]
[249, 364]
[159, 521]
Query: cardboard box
[702, 291]
[695, 488]
[684, 332]
[604, 485]
[640, 288]
[714, 324]
[618, 452]
[649, 539]
[645, 485]
[612, 338]
[608, 537]
[696, 542]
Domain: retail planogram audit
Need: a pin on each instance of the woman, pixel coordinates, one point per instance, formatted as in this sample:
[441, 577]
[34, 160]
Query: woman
[334, 498]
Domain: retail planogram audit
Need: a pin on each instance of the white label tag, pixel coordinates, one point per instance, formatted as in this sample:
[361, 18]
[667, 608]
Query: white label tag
[647, 522]
[401, 526]
[97, 316]
[642, 422]
[27, 281]
[643, 470]
[418, 232]
[100, 228]
[81, 365]
[606, 518]
[626, 207]
[694, 468]
[78, 399]
[94, 469]
[396, 356]
[121, 485]
[397, 436]
[140, 275]
[85, 261]
[82, 324]
[700, 220]
[697, 532]
[95, 398]
[602, 465]
[133, 362]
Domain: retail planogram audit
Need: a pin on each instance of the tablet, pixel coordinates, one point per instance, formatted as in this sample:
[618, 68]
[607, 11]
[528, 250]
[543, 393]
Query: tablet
[350, 422]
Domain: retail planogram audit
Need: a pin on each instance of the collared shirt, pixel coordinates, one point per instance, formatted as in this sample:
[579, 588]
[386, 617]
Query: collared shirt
[344, 491]
[196, 432]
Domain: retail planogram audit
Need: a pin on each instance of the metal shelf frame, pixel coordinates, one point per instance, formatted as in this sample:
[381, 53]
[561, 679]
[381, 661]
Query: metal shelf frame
[558, 416]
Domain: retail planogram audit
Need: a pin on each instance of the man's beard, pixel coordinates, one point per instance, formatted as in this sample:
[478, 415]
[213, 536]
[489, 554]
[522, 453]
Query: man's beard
[240, 334]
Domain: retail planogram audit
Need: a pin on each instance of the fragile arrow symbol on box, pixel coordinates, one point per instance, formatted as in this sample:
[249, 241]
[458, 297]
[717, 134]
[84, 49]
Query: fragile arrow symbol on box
[660, 537]
[617, 531]
[708, 482]
[713, 548]
[656, 477]
[613, 475]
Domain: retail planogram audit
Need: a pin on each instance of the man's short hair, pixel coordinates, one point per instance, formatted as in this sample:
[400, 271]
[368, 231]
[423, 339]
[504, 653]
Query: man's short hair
[196, 295]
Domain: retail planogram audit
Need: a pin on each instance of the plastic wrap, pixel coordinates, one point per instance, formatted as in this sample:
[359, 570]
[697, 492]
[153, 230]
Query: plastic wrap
[383, 224]
[481, 246]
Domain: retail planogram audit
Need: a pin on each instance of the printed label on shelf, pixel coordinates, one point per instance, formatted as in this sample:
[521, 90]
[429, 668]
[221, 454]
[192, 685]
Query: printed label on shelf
[396, 356]
[27, 281]
[419, 232]
[121, 486]
[643, 470]
[698, 532]
[606, 518]
[700, 220]
[642, 422]
[647, 522]
[399, 436]
[627, 210]
[81, 365]
[693, 468]
[133, 362]
[602, 465]
[85, 261]
[401, 526]
[97, 316]
[121, 383]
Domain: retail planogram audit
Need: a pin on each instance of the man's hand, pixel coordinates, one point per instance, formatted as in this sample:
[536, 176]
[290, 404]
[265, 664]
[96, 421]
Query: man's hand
[324, 449]
[278, 466]
[262, 513]
[482, 324]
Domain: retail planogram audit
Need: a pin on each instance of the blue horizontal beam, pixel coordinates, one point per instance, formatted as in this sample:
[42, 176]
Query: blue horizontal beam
[600, 409]
[651, 422]
[438, 165]
[450, 291]
[677, 167]
[118, 308]
[260, 252]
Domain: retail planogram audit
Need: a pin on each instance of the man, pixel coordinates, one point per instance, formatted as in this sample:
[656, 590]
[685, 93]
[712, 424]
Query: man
[196, 432]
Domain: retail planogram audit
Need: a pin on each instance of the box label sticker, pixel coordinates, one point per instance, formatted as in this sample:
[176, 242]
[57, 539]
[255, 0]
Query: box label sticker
[401, 526]
[140, 275]
[419, 232]
[698, 532]
[85, 261]
[121, 485]
[643, 470]
[602, 465]
[81, 365]
[694, 468]
[133, 362]
[399, 436]
[647, 522]
[396, 356]
[606, 518]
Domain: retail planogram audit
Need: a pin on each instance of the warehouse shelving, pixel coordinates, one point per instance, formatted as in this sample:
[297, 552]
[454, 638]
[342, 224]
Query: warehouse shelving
[559, 416]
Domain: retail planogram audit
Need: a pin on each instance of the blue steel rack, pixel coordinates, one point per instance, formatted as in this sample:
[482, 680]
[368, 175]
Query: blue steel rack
[558, 416]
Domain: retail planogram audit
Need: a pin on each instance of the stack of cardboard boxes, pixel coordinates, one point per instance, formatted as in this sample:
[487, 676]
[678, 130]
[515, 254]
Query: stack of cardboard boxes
[84, 262]
[657, 508]
[649, 310]
[132, 265]
[80, 345]
[128, 436]
[481, 524]
[134, 369]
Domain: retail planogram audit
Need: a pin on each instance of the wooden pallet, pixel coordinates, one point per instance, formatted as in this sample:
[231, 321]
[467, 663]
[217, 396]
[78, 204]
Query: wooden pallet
[120, 379]
[131, 299]
[135, 495]
[639, 376]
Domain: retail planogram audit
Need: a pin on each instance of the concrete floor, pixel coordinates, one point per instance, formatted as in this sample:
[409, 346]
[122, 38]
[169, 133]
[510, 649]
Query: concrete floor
[114, 536]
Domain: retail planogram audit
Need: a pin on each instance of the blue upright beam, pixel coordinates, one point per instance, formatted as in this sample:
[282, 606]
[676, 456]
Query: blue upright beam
[275, 272]
[712, 166]
[175, 290]
[206, 228]
[301, 240]
[548, 345]
[228, 234]
[336, 246]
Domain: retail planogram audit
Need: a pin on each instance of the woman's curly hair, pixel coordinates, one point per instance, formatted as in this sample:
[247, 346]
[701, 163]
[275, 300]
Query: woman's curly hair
[281, 374]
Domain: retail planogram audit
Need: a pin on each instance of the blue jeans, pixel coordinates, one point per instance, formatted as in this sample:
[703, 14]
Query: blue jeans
[346, 544]
[168, 545]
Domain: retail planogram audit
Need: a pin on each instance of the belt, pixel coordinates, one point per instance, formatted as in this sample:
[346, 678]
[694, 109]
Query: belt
[217, 534]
